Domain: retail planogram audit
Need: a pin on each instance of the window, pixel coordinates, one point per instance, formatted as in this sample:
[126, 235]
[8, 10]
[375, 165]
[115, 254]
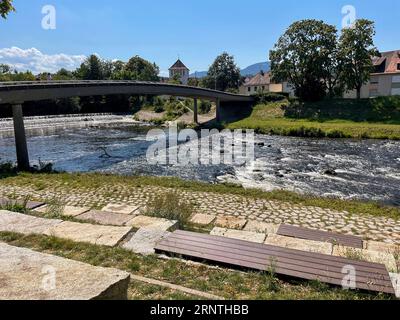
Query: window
[263, 88]
[398, 66]
[249, 89]
[255, 88]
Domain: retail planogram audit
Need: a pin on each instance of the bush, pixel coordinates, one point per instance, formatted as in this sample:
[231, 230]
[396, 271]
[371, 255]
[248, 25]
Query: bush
[264, 98]
[170, 206]
[204, 106]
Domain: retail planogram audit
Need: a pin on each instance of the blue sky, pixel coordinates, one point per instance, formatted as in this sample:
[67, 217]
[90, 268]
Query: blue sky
[160, 30]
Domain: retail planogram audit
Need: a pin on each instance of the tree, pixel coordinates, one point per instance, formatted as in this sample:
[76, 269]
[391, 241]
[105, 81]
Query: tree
[356, 49]
[63, 74]
[223, 74]
[140, 69]
[5, 8]
[5, 68]
[90, 69]
[176, 79]
[303, 57]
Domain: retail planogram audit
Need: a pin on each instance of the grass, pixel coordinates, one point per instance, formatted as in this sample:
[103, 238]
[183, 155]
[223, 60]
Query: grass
[227, 283]
[170, 206]
[274, 118]
[126, 185]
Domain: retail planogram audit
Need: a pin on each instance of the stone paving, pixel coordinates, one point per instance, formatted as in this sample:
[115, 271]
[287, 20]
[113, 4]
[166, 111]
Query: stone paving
[221, 206]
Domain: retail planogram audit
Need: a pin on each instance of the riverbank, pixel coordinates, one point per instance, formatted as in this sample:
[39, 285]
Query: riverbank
[278, 118]
[368, 219]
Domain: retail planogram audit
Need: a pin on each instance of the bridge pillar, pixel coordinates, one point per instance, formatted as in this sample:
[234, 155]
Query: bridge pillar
[20, 138]
[195, 110]
[218, 110]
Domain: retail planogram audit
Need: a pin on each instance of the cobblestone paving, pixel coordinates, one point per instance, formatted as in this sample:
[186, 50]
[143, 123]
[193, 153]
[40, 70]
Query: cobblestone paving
[373, 228]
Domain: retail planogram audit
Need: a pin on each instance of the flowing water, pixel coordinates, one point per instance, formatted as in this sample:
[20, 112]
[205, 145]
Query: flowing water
[350, 169]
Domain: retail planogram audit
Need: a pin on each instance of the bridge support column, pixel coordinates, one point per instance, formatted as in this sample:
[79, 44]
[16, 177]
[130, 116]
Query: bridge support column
[195, 111]
[218, 110]
[20, 138]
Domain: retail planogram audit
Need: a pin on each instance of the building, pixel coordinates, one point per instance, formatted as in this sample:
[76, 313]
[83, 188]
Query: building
[261, 82]
[385, 79]
[178, 68]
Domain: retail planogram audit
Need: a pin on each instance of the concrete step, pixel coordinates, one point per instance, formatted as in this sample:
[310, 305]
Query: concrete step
[30, 275]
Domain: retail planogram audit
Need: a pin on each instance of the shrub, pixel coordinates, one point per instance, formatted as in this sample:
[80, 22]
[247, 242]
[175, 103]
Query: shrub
[170, 206]
[264, 98]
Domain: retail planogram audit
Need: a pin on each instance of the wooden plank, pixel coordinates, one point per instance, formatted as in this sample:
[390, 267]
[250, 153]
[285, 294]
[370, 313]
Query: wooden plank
[252, 246]
[266, 255]
[284, 261]
[270, 260]
[316, 235]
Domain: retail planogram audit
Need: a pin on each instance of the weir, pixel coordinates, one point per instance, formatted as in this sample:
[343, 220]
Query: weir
[16, 93]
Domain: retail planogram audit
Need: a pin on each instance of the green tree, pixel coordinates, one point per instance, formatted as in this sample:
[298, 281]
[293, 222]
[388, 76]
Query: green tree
[5, 68]
[303, 57]
[63, 74]
[90, 69]
[223, 74]
[6, 7]
[176, 79]
[356, 49]
[140, 69]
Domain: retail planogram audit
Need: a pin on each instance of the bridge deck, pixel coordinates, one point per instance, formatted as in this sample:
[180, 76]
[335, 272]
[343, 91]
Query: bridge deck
[283, 261]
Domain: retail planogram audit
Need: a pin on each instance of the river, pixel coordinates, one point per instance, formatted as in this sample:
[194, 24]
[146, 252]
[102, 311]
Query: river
[349, 169]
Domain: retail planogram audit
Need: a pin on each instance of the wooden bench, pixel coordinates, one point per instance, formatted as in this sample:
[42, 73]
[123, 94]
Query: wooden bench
[323, 236]
[282, 261]
[29, 204]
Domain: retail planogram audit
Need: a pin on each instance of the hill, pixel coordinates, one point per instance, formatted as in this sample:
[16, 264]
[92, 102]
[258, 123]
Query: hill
[249, 71]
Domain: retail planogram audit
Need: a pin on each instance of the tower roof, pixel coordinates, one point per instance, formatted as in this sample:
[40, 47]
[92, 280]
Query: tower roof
[179, 65]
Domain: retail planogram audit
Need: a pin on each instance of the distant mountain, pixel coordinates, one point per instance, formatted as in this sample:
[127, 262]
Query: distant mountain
[249, 71]
[256, 68]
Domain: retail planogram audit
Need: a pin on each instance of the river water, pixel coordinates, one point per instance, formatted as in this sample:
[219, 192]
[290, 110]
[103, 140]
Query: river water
[359, 169]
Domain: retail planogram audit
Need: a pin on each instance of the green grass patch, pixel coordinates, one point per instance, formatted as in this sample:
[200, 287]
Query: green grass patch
[326, 119]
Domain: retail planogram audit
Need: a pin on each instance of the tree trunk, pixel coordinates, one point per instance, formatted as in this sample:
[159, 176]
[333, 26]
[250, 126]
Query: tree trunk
[359, 93]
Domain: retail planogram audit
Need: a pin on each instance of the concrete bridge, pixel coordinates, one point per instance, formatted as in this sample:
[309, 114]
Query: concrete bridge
[16, 93]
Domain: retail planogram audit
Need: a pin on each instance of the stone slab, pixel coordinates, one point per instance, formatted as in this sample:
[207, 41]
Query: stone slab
[29, 204]
[299, 244]
[120, 208]
[203, 219]
[239, 234]
[28, 275]
[395, 277]
[368, 255]
[152, 223]
[105, 218]
[383, 247]
[85, 232]
[230, 222]
[261, 227]
[25, 224]
[145, 240]
[68, 211]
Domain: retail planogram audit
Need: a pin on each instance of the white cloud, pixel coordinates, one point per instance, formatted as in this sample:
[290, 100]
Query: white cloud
[37, 62]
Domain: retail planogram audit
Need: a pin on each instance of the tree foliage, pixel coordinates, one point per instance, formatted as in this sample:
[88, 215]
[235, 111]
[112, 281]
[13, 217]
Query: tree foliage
[223, 74]
[356, 49]
[302, 56]
[6, 7]
[140, 69]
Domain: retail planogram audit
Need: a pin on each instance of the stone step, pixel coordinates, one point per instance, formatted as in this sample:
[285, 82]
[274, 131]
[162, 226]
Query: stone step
[238, 234]
[79, 232]
[106, 218]
[28, 204]
[153, 223]
[121, 208]
[25, 224]
[30, 275]
[144, 241]
[68, 211]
